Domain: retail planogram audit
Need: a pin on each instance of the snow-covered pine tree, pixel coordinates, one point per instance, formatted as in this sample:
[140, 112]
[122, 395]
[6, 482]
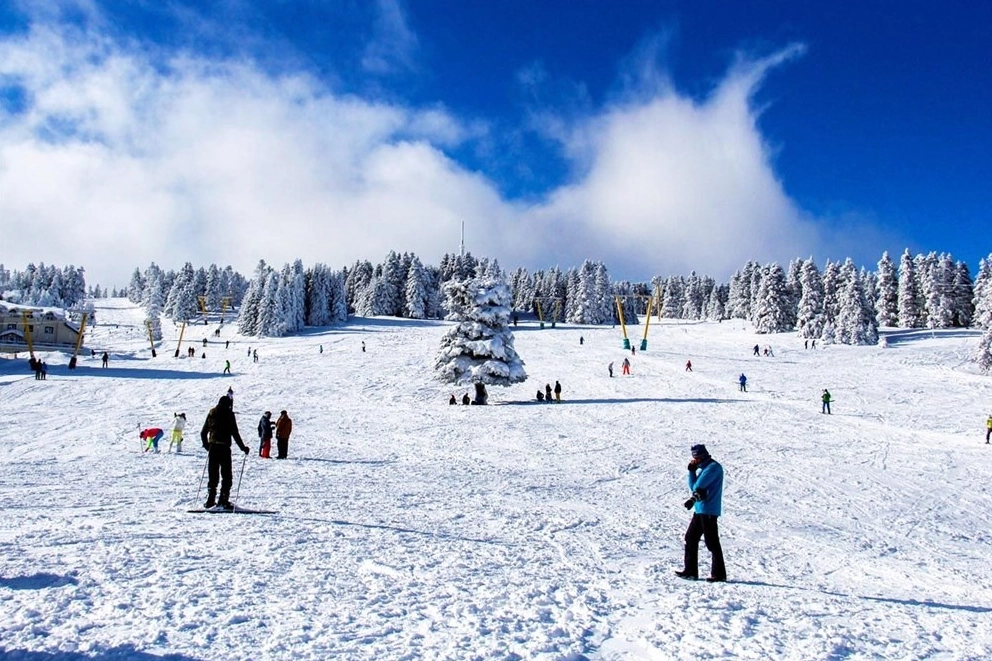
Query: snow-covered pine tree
[887, 302]
[416, 290]
[390, 297]
[358, 279]
[479, 348]
[181, 304]
[271, 322]
[136, 288]
[773, 302]
[983, 353]
[856, 323]
[673, 298]
[810, 317]
[212, 292]
[248, 319]
[982, 317]
[962, 292]
[910, 301]
[318, 311]
[604, 294]
[153, 300]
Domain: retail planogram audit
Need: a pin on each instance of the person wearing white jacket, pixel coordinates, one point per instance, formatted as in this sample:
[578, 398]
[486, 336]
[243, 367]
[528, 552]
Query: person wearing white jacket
[178, 425]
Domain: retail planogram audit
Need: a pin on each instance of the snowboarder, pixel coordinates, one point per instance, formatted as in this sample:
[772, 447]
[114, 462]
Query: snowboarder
[452, 400]
[707, 505]
[265, 427]
[547, 393]
[557, 392]
[218, 430]
[988, 429]
[743, 381]
[466, 400]
[625, 366]
[826, 399]
[152, 435]
[178, 425]
[757, 351]
[105, 359]
[284, 427]
[688, 366]
[609, 368]
[227, 367]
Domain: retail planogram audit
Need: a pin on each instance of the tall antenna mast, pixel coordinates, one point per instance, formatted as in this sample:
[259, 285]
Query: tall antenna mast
[462, 247]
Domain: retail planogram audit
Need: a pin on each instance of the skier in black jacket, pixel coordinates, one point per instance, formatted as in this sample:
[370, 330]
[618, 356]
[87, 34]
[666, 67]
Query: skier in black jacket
[218, 430]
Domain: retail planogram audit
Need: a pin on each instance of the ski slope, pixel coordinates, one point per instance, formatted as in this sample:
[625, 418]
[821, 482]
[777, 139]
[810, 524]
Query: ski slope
[411, 529]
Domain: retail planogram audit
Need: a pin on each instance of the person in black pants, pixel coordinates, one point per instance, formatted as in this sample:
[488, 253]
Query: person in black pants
[218, 430]
[707, 505]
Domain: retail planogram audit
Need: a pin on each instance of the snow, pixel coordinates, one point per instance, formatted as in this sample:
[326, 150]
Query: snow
[411, 529]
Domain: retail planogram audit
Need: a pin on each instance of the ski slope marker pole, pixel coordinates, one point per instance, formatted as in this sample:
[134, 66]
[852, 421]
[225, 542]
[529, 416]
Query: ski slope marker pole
[240, 475]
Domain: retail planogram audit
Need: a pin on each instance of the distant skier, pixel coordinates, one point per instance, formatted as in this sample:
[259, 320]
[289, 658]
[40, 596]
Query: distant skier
[633, 351]
[547, 393]
[230, 395]
[363, 346]
[826, 399]
[466, 400]
[265, 427]
[105, 359]
[227, 367]
[254, 356]
[625, 366]
[540, 395]
[609, 368]
[284, 427]
[204, 342]
[557, 392]
[151, 436]
[688, 366]
[452, 400]
[707, 506]
[743, 381]
[227, 343]
[321, 348]
[988, 429]
[581, 340]
[218, 430]
[757, 350]
[178, 425]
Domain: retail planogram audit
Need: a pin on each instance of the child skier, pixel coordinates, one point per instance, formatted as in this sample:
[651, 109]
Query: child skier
[178, 425]
[152, 435]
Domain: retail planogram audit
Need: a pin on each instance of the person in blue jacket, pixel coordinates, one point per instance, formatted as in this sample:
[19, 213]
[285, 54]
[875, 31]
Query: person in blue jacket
[706, 483]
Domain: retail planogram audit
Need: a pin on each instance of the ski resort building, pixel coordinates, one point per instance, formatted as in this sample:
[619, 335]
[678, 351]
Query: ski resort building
[48, 327]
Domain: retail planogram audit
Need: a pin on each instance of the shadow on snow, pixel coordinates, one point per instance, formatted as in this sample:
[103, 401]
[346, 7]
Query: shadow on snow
[38, 581]
[119, 653]
[627, 400]
[885, 600]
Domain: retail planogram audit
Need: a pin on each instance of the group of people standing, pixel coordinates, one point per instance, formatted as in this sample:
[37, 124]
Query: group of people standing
[282, 428]
[546, 395]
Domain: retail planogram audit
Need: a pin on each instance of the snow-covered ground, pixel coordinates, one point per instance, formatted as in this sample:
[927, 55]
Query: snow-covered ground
[411, 529]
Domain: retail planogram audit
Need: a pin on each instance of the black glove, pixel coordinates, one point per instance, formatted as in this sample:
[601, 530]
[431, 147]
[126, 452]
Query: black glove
[699, 494]
[692, 466]
[689, 503]
[244, 448]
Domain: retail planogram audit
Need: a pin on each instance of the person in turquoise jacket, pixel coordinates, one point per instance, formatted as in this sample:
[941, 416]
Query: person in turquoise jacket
[706, 484]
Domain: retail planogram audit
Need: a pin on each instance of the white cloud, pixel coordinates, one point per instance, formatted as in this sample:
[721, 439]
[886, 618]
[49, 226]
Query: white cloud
[394, 45]
[221, 162]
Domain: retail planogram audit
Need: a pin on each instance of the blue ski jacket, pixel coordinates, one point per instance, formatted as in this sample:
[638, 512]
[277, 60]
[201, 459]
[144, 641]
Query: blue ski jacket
[709, 480]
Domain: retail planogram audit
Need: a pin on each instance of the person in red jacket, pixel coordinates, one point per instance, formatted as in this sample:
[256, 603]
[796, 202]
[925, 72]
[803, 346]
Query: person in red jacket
[284, 427]
[152, 435]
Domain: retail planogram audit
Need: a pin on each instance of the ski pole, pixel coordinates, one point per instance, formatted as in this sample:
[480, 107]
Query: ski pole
[200, 485]
[240, 475]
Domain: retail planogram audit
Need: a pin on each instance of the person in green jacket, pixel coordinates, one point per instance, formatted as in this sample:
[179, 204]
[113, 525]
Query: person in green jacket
[826, 399]
[988, 429]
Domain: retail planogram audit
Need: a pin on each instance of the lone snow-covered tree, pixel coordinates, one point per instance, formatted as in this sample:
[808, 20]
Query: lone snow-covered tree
[479, 349]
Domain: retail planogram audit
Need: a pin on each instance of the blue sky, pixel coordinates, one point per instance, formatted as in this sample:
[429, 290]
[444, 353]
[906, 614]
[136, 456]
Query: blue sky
[660, 137]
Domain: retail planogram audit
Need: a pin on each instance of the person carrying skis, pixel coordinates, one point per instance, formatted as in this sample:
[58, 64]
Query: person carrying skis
[152, 436]
[826, 399]
[743, 381]
[178, 425]
[707, 505]
[557, 392]
[265, 427]
[284, 427]
[218, 430]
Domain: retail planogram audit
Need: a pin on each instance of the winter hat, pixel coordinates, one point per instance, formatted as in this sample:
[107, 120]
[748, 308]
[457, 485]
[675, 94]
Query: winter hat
[699, 452]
